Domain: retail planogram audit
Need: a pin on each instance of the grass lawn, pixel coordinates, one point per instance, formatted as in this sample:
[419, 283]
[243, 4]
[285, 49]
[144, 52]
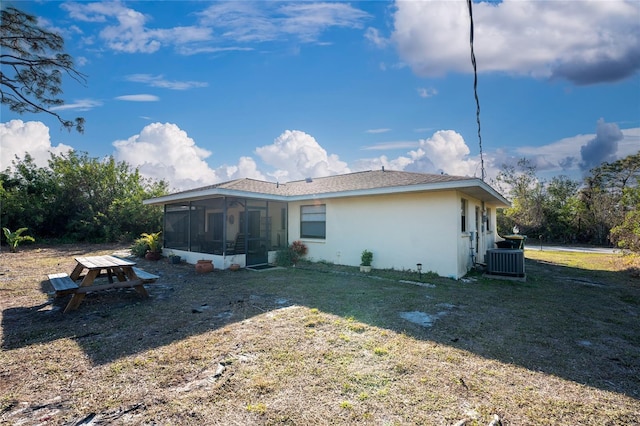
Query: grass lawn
[323, 344]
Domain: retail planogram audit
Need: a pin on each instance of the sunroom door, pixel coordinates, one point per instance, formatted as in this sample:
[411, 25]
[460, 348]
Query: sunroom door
[257, 231]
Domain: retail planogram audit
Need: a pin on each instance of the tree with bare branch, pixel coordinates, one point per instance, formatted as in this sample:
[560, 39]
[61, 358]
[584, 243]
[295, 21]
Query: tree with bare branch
[32, 64]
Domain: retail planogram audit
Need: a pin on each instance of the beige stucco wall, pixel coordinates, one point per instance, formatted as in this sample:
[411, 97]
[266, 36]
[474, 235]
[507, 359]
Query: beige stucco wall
[400, 229]
[487, 236]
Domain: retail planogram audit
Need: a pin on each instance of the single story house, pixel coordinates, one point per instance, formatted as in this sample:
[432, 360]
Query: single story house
[444, 222]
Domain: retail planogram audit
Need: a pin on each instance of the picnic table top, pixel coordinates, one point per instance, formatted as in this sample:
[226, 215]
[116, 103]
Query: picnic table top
[101, 262]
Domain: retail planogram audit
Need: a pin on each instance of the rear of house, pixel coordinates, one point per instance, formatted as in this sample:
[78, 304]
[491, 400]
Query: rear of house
[446, 223]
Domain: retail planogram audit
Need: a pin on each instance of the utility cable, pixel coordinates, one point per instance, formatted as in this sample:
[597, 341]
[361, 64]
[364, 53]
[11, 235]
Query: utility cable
[475, 86]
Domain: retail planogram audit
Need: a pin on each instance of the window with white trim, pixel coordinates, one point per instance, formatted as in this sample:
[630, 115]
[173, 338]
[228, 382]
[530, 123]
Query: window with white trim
[313, 221]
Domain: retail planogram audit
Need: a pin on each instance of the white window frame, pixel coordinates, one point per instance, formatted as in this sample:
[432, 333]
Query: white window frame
[315, 214]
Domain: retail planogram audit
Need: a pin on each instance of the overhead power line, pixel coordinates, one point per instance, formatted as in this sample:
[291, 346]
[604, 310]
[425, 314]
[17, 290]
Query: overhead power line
[475, 86]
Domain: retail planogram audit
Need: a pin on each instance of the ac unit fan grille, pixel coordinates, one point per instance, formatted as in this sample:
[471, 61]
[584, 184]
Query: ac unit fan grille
[506, 262]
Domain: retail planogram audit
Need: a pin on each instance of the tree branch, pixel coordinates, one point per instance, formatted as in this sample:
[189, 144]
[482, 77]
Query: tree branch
[37, 78]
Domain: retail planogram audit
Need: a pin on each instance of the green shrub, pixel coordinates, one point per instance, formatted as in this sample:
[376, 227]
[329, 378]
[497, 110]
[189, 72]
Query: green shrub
[15, 238]
[292, 254]
[284, 258]
[139, 247]
[366, 258]
[627, 234]
[152, 240]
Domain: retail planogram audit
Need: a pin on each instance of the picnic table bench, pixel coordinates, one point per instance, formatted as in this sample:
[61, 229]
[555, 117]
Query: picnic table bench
[145, 276]
[62, 283]
[125, 271]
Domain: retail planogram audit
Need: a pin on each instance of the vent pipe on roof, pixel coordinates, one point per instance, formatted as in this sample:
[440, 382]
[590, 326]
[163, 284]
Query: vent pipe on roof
[383, 168]
[308, 180]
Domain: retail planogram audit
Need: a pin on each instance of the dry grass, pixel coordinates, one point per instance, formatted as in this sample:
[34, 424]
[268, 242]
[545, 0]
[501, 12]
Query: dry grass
[322, 344]
[588, 261]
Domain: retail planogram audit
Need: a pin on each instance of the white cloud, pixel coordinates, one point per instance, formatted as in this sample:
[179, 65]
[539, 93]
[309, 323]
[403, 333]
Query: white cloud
[194, 50]
[308, 20]
[130, 32]
[18, 137]
[246, 168]
[424, 92]
[164, 151]
[240, 21]
[448, 153]
[78, 105]
[630, 144]
[447, 145]
[399, 163]
[444, 152]
[585, 42]
[245, 22]
[94, 12]
[160, 81]
[373, 35]
[126, 30]
[297, 155]
[138, 98]
[384, 146]
[376, 131]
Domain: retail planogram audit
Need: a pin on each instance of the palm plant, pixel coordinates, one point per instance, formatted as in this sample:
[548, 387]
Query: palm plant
[152, 240]
[15, 238]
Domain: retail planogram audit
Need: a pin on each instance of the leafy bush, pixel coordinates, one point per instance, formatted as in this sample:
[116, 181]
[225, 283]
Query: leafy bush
[283, 258]
[299, 248]
[15, 238]
[77, 198]
[366, 258]
[627, 235]
[152, 240]
[139, 247]
[292, 254]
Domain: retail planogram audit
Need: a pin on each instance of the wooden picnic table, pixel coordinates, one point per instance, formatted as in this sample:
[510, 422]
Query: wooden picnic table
[96, 266]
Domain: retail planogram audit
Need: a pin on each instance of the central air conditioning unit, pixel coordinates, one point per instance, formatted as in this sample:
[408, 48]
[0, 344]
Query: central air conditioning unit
[505, 262]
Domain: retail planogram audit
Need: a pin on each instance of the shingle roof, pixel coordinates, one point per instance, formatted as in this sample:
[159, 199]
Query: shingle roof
[371, 179]
[366, 181]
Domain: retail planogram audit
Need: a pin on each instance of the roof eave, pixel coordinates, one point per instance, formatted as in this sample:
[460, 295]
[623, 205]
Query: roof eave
[211, 192]
[486, 193]
[482, 192]
[490, 195]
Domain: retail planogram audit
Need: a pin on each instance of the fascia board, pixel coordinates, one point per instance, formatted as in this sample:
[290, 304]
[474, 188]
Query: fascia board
[495, 195]
[207, 193]
[441, 186]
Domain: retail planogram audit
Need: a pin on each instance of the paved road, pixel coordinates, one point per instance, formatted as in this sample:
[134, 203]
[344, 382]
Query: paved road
[570, 248]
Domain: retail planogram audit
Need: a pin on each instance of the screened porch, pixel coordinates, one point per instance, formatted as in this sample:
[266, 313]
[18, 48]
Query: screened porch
[247, 229]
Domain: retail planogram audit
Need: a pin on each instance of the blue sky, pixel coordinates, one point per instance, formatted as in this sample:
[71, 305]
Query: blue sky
[202, 92]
